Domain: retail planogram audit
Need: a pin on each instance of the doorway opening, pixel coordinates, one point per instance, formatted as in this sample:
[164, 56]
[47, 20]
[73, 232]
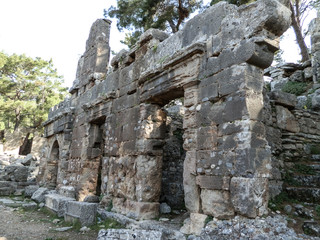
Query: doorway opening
[52, 166]
[172, 192]
[97, 136]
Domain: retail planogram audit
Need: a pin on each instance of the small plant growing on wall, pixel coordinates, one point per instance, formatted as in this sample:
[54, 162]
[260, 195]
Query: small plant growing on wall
[296, 88]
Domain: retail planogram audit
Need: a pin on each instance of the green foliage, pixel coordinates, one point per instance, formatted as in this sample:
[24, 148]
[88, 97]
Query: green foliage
[110, 206]
[108, 223]
[318, 211]
[236, 2]
[139, 15]
[304, 169]
[268, 87]
[131, 38]
[296, 88]
[208, 219]
[315, 149]
[308, 103]
[28, 89]
[276, 204]
[288, 178]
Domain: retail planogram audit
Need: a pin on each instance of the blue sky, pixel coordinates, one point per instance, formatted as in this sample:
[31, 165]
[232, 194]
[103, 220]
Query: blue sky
[58, 29]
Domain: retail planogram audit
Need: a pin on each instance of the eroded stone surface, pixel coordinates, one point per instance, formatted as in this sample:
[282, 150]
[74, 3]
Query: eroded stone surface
[109, 137]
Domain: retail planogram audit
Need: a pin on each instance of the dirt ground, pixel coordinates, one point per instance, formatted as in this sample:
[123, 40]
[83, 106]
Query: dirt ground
[17, 224]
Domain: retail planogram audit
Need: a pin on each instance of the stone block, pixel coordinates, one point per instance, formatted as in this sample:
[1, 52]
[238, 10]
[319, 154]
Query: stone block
[29, 190]
[39, 195]
[217, 203]
[213, 182]
[67, 191]
[191, 190]
[148, 178]
[194, 224]
[82, 211]
[27, 160]
[142, 210]
[207, 138]
[286, 120]
[284, 99]
[249, 196]
[91, 199]
[136, 210]
[57, 203]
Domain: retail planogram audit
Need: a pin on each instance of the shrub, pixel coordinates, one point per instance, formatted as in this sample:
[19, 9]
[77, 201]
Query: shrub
[296, 88]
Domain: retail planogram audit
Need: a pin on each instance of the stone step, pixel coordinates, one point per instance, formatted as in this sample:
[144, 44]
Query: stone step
[315, 166]
[304, 194]
[6, 191]
[315, 157]
[57, 203]
[306, 181]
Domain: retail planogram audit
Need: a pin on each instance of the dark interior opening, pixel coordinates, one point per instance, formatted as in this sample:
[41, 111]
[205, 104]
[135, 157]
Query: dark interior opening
[52, 167]
[172, 192]
[97, 148]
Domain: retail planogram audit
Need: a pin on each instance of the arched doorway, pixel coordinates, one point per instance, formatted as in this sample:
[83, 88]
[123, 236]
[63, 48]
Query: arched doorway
[52, 166]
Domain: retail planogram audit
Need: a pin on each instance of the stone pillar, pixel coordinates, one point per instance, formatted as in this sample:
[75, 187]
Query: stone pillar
[314, 28]
[233, 156]
[191, 189]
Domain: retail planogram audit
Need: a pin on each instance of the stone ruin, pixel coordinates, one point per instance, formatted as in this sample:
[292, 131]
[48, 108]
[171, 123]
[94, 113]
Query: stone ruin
[109, 138]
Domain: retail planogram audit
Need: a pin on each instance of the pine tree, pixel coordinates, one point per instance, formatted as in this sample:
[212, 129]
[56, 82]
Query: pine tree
[140, 15]
[28, 89]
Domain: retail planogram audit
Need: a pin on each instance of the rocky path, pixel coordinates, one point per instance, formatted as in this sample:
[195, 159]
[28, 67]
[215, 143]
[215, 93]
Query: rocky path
[16, 224]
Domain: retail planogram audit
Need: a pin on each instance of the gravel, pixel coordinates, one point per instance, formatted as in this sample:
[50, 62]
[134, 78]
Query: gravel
[239, 228]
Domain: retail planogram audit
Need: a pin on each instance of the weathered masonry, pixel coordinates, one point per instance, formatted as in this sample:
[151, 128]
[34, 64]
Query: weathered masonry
[108, 137]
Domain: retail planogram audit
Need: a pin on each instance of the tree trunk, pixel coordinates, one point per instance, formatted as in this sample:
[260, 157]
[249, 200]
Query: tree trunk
[18, 119]
[298, 32]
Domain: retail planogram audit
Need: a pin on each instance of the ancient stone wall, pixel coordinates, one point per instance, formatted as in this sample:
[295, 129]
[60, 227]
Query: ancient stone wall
[111, 132]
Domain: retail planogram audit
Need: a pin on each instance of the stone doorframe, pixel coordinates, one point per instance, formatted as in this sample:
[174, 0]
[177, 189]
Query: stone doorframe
[52, 166]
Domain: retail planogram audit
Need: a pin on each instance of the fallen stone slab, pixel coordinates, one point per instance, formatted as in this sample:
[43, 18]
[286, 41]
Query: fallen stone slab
[29, 206]
[10, 203]
[82, 211]
[150, 225]
[63, 229]
[57, 203]
[128, 234]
